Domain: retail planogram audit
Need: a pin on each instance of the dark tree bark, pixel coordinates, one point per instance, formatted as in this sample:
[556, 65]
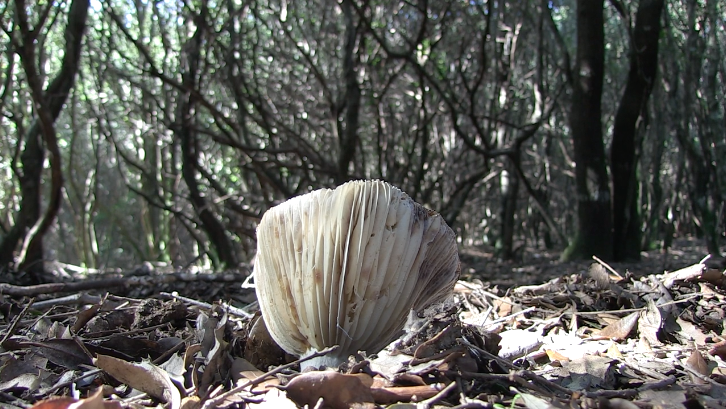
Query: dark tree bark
[631, 116]
[509, 188]
[185, 131]
[30, 227]
[594, 235]
[703, 190]
[348, 136]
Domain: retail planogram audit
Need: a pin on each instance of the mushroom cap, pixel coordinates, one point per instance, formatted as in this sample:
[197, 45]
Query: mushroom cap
[345, 266]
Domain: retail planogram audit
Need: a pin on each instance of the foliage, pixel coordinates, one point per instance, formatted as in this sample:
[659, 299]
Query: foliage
[189, 119]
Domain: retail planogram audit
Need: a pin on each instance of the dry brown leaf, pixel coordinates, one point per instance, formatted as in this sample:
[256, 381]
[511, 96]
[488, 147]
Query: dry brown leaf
[519, 342]
[556, 356]
[405, 393]
[687, 273]
[617, 403]
[63, 352]
[84, 316]
[600, 276]
[697, 363]
[620, 329]
[260, 349]
[590, 372]
[614, 352]
[719, 349]
[145, 377]
[336, 389]
[715, 277]
[94, 401]
[649, 323]
[55, 403]
[273, 399]
[690, 332]
[243, 371]
[26, 381]
[503, 306]
[191, 402]
[534, 402]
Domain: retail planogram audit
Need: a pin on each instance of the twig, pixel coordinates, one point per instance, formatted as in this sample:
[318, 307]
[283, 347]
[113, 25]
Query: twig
[426, 404]
[502, 361]
[606, 265]
[33, 290]
[508, 317]
[68, 383]
[629, 393]
[541, 380]
[231, 309]
[105, 283]
[213, 403]
[16, 321]
[75, 299]
[172, 351]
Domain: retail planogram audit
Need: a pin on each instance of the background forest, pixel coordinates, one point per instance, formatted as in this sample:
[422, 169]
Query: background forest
[162, 130]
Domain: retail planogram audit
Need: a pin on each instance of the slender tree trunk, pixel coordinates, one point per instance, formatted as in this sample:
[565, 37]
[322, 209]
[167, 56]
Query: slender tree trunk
[594, 235]
[656, 222]
[509, 187]
[630, 116]
[701, 179]
[214, 229]
[31, 226]
[348, 136]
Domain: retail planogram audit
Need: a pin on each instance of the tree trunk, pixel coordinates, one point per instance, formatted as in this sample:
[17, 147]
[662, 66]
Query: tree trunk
[30, 226]
[509, 187]
[348, 137]
[214, 229]
[631, 115]
[701, 178]
[594, 234]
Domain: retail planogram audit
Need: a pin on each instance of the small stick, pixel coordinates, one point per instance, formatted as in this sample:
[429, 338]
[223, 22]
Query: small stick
[426, 404]
[604, 264]
[214, 402]
[231, 309]
[16, 321]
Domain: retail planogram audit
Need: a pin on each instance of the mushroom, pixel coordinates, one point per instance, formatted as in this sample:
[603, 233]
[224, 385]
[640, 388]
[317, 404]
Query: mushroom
[346, 266]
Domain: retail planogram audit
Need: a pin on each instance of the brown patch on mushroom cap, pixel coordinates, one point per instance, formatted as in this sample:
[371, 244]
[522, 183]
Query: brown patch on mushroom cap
[345, 266]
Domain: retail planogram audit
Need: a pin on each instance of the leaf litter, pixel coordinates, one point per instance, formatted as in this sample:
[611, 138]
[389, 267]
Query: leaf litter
[595, 338]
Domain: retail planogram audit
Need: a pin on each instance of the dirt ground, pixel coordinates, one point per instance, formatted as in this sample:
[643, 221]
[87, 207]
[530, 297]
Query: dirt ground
[538, 266]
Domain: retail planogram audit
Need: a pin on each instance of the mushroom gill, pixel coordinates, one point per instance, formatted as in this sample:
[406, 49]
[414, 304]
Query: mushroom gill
[345, 266]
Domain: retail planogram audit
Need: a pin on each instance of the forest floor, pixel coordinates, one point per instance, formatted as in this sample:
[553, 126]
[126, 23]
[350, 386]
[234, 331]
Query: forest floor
[534, 333]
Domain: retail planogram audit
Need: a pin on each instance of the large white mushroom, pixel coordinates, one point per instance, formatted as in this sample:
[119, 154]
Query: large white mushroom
[345, 267]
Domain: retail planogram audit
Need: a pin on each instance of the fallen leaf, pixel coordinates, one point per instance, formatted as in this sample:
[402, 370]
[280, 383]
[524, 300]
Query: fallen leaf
[617, 403]
[600, 276]
[55, 403]
[26, 381]
[62, 352]
[534, 402]
[698, 364]
[337, 390]
[620, 329]
[556, 356]
[719, 349]
[519, 342]
[614, 352]
[93, 401]
[590, 372]
[405, 393]
[144, 376]
[650, 322]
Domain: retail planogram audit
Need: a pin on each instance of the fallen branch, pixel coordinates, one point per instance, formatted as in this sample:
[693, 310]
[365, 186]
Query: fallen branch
[113, 282]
